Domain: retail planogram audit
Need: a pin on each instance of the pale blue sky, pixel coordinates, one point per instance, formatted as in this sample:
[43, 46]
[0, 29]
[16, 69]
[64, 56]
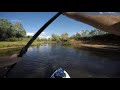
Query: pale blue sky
[32, 21]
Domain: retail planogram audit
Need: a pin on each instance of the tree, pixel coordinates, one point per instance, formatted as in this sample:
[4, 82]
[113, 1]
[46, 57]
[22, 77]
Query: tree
[55, 37]
[5, 24]
[49, 39]
[64, 37]
[9, 30]
[5, 27]
[77, 36]
[18, 26]
[84, 33]
[20, 30]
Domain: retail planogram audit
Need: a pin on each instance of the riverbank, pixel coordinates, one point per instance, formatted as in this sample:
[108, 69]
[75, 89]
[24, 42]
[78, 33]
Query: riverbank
[16, 44]
[79, 44]
[8, 48]
[19, 44]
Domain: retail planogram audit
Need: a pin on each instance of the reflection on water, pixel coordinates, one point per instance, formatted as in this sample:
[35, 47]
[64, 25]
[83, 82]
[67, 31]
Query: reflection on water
[42, 61]
[9, 52]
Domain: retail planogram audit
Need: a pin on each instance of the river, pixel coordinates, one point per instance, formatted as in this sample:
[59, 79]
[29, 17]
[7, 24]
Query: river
[42, 61]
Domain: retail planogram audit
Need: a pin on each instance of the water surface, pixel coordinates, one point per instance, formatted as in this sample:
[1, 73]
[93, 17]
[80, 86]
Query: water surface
[42, 61]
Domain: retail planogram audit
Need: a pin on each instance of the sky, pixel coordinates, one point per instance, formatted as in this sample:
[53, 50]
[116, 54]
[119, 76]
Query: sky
[33, 21]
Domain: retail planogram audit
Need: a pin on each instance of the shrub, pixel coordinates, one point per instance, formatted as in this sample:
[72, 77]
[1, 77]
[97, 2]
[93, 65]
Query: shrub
[12, 39]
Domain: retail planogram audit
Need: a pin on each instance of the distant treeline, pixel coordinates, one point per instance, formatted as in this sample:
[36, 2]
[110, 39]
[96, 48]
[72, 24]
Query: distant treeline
[14, 32]
[105, 37]
[97, 35]
[89, 36]
[9, 31]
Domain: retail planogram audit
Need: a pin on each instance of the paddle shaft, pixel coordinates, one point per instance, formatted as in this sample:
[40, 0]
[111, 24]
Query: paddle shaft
[24, 49]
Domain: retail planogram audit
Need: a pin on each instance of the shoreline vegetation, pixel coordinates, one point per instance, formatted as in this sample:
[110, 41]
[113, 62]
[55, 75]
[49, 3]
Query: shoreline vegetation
[108, 44]
[74, 43]
[95, 40]
[14, 36]
[15, 47]
[104, 46]
[16, 44]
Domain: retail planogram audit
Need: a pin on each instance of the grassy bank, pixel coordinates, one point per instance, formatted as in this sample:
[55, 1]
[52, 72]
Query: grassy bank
[8, 48]
[17, 43]
[75, 43]
[8, 44]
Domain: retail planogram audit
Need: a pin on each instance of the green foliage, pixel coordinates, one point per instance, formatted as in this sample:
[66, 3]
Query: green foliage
[96, 35]
[88, 34]
[28, 36]
[9, 30]
[18, 26]
[96, 32]
[77, 36]
[12, 39]
[66, 43]
[20, 30]
[64, 37]
[55, 37]
[42, 39]
[49, 39]
[5, 27]
[84, 33]
[5, 24]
